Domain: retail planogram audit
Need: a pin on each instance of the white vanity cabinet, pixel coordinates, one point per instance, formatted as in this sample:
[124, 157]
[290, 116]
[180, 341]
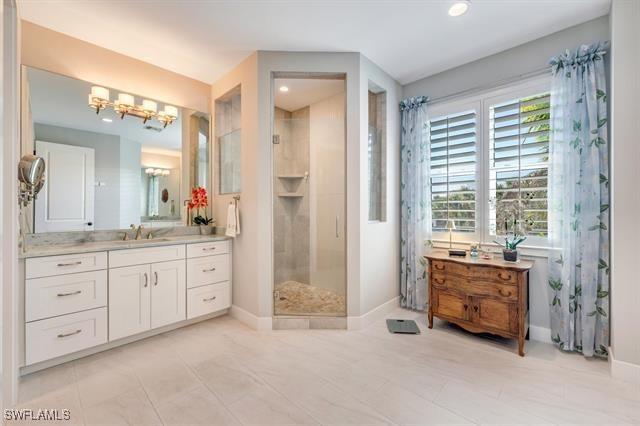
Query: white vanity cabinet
[147, 296]
[208, 277]
[81, 301]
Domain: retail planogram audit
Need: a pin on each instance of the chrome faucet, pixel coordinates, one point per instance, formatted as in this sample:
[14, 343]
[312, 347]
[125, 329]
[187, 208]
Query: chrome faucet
[138, 231]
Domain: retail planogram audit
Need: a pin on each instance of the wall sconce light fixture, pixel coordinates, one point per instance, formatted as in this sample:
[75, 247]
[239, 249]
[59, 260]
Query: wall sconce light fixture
[125, 105]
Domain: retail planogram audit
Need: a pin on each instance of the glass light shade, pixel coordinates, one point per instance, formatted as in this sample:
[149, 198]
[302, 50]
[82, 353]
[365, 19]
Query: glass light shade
[149, 171]
[170, 111]
[459, 8]
[149, 106]
[125, 99]
[166, 173]
[101, 93]
[157, 172]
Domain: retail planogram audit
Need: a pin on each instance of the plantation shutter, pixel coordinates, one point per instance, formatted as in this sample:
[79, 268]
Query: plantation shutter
[518, 160]
[453, 171]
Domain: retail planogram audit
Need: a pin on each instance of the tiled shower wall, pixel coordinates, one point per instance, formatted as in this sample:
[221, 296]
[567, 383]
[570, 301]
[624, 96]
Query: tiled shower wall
[291, 214]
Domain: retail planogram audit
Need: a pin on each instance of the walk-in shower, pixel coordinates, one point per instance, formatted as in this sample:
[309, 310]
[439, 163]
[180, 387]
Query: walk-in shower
[309, 195]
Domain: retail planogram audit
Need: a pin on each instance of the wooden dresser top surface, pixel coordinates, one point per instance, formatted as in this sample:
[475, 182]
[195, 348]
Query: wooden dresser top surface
[520, 265]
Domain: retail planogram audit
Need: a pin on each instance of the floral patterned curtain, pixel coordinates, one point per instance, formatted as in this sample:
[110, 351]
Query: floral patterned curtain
[579, 202]
[415, 221]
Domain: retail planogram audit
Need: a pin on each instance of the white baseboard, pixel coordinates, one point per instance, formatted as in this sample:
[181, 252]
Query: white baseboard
[623, 370]
[540, 334]
[253, 321]
[357, 323]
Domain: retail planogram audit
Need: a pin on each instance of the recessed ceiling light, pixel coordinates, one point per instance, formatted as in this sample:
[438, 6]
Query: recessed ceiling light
[107, 120]
[284, 89]
[459, 8]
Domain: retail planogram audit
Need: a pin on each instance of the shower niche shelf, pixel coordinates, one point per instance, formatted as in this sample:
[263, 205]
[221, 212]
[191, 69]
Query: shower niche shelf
[290, 177]
[290, 195]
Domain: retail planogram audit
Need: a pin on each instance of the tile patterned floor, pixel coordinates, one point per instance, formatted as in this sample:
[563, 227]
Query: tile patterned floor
[297, 298]
[220, 372]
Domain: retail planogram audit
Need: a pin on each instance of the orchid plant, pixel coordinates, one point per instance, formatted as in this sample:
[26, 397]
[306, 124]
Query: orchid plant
[515, 224]
[199, 200]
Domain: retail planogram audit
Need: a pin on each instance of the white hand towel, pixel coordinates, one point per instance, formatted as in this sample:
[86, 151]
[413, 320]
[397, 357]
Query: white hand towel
[231, 221]
[237, 210]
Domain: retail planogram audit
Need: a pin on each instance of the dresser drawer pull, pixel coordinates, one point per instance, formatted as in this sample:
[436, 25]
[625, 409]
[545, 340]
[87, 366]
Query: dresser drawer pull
[475, 308]
[73, 293]
[504, 293]
[209, 270]
[79, 262]
[62, 336]
[439, 280]
[438, 266]
[466, 307]
[506, 277]
[209, 299]
[208, 248]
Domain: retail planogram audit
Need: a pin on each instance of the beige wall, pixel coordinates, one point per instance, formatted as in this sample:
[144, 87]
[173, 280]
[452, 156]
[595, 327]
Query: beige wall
[52, 51]
[379, 241]
[246, 252]
[625, 128]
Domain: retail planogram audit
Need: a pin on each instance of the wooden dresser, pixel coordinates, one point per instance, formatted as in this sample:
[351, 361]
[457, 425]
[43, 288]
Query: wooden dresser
[480, 295]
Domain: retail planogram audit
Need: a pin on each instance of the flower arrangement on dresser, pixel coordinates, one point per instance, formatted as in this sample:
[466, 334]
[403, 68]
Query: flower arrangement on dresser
[200, 200]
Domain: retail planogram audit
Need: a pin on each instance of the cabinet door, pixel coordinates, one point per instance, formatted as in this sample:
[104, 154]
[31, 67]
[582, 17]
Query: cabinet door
[450, 304]
[495, 314]
[168, 293]
[129, 301]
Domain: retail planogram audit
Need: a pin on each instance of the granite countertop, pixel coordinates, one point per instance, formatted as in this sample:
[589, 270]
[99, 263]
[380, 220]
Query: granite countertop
[54, 249]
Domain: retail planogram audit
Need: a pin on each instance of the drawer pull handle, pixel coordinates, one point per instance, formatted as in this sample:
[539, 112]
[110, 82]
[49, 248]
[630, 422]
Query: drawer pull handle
[208, 248]
[155, 273]
[209, 270]
[73, 293]
[466, 307]
[79, 262]
[146, 280]
[475, 308]
[62, 336]
[209, 299]
[503, 293]
[439, 266]
[506, 277]
[438, 280]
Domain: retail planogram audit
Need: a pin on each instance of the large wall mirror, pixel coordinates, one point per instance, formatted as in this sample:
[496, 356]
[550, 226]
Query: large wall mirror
[108, 167]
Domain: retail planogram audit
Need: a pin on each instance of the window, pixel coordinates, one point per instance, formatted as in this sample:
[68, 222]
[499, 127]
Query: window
[453, 171]
[518, 162]
[489, 155]
[376, 153]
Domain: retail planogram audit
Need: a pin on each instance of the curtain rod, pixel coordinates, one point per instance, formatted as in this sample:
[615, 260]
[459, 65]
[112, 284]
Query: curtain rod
[535, 73]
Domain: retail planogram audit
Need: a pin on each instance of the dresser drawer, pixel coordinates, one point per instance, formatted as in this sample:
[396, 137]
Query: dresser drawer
[66, 264]
[64, 294]
[208, 249]
[472, 287]
[503, 276]
[207, 270]
[208, 299]
[141, 256]
[54, 337]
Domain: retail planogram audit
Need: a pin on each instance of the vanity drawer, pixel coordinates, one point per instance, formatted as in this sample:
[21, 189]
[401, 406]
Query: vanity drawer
[141, 256]
[37, 267]
[207, 299]
[207, 249]
[54, 337]
[474, 287]
[207, 270]
[64, 294]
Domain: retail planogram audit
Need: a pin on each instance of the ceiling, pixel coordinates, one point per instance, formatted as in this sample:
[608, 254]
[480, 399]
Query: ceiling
[409, 39]
[62, 101]
[304, 91]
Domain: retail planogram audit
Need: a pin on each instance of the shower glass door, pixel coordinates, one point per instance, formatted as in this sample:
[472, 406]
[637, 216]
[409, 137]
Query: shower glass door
[309, 199]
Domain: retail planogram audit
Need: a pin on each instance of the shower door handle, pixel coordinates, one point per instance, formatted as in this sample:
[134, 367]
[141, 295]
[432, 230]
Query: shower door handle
[337, 228]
